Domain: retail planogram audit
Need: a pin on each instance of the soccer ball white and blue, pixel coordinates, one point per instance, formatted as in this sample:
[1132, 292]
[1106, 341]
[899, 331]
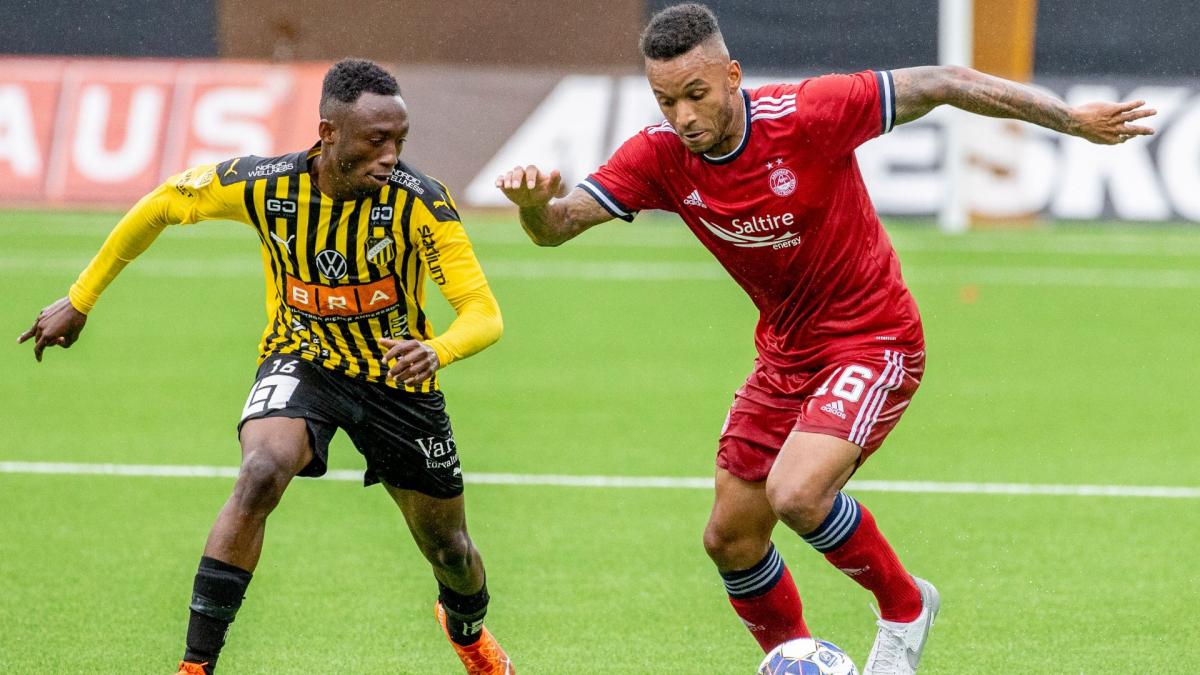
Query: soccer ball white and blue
[807, 656]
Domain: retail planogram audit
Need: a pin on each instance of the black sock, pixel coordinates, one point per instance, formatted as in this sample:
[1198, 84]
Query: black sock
[464, 613]
[216, 596]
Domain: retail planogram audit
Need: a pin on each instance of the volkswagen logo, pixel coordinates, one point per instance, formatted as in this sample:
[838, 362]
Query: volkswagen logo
[331, 264]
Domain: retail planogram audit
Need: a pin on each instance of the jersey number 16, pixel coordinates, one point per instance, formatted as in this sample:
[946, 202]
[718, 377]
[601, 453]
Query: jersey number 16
[850, 385]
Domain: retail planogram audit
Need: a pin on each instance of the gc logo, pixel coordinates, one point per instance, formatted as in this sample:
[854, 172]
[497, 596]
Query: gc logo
[281, 207]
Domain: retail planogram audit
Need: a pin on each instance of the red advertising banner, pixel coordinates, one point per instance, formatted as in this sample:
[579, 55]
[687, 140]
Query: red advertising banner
[112, 123]
[29, 94]
[103, 132]
[106, 131]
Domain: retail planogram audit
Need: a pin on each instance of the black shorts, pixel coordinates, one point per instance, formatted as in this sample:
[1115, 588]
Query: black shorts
[405, 437]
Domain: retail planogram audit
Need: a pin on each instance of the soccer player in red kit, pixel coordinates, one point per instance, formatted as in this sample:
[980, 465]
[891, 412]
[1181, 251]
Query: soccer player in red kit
[767, 180]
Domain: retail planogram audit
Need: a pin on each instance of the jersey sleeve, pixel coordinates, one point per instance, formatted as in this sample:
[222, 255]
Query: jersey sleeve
[626, 183]
[450, 261]
[196, 196]
[187, 197]
[841, 112]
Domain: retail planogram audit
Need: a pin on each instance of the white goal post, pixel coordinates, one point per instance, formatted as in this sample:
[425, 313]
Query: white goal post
[956, 21]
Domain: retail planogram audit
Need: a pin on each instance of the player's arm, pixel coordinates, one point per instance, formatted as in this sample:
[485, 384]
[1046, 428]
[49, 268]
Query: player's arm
[549, 221]
[184, 198]
[477, 324]
[61, 323]
[921, 89]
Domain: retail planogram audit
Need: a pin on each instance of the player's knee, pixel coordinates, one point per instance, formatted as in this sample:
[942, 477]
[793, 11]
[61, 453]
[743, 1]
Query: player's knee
[801, 507]
[731, 549]
[451, 553]
[261, 482]
[719, 545]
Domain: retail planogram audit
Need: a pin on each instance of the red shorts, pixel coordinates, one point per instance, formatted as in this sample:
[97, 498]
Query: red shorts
[859, 398]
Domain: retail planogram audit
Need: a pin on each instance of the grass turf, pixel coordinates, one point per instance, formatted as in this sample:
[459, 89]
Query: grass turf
[1056, 355]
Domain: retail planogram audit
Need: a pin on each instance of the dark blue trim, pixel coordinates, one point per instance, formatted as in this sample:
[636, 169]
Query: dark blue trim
[881, 84]
[887, 99]
[891, 100]
[616, 208]
[725, 159]
[833, 525]
[751, 583]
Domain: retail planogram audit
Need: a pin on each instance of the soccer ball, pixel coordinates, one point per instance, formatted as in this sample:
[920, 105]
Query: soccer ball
[807, 656]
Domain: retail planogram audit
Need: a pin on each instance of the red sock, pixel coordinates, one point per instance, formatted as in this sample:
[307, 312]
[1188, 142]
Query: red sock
[867, 558]
[766, 599]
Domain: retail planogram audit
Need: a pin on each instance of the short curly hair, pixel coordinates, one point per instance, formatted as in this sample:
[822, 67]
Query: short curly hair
[347, 79]
[677, 29]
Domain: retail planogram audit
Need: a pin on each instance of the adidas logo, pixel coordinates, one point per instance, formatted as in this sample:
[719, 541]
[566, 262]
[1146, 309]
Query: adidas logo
[835, 408]
[695, 200]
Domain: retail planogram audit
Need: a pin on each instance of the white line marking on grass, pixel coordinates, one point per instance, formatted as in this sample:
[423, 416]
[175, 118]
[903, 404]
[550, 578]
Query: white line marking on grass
[1153, 243]
[629, 270]
[144, 470]
[176, 268]
[223, 232]
[929, 487]
[1174, 242]
[615, 270]
[1054, 276]
[1171, 242]
[1148, 245]
[668, 482]
[551, 479]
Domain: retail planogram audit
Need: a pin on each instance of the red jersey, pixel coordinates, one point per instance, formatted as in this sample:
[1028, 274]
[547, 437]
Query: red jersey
[787, 215]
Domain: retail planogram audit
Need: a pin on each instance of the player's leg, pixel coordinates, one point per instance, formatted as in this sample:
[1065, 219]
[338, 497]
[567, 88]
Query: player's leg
[842, 423]
[439, 528]
[804, 489]
[738, 535]
[759, 585]
[273, 451]
[409, 446]
[281, 435]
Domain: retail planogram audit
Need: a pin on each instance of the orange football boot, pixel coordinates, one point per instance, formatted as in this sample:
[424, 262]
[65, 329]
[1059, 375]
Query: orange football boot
[189, 668]
[485, 657]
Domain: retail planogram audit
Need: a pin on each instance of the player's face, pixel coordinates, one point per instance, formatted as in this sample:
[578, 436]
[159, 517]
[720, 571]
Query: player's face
[696, 92]
[365, 143]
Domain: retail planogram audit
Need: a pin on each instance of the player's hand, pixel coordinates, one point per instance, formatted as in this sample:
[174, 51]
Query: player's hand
[59, 324]
[1109, 123]
[415, 361]
[527, 186]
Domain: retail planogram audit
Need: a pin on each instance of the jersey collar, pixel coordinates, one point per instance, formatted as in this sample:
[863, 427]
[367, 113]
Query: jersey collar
[733, 154]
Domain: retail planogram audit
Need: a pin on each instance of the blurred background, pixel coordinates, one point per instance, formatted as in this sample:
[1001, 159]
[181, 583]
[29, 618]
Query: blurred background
[100, 101]
[1045, 478]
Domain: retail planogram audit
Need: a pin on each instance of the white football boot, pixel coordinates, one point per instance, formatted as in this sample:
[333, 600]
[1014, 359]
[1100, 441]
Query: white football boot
[898, 646]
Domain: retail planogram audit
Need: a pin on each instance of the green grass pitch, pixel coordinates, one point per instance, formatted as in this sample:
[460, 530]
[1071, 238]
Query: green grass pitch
[1057, 355]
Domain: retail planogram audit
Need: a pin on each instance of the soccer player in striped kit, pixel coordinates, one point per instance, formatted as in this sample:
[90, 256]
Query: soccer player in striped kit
[767, 180]
[349, 233]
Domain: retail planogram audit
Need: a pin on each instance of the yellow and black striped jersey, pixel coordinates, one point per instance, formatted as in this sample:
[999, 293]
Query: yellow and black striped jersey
[340, 275]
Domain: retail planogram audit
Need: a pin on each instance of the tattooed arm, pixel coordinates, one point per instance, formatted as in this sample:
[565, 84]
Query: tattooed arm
[921, 89]
[549, 221]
